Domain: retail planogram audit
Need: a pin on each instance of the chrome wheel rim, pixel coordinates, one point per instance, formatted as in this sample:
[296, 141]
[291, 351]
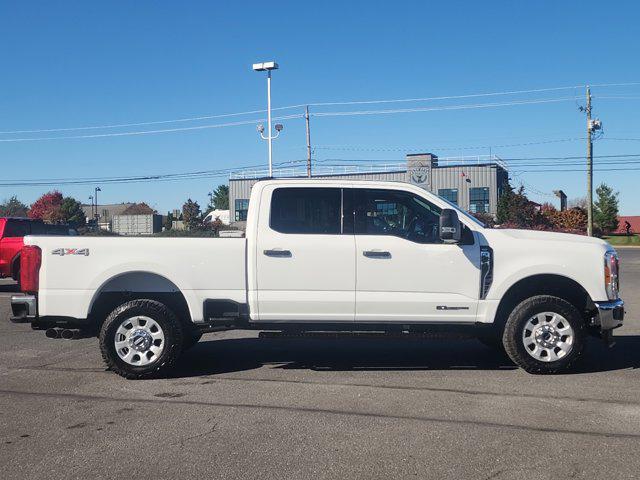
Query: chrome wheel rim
[139, 341]
[548, 337]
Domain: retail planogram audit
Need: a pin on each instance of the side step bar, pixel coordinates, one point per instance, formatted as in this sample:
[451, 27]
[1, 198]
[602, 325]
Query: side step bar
[433, 335]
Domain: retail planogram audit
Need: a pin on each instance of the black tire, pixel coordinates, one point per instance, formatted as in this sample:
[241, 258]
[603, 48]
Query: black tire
[171, 328]
[514, 343]
[191, 339]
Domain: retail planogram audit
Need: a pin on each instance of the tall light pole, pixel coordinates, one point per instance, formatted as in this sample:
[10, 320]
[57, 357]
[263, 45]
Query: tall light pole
[267, 67]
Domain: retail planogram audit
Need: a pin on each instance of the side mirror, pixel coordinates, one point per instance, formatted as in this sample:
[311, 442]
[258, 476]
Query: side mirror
[450, 227]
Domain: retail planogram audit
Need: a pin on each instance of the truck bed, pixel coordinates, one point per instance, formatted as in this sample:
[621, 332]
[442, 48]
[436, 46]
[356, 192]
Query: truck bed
[76, 269]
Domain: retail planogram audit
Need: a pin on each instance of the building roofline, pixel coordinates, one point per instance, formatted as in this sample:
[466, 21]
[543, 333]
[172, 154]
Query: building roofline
[382, 172]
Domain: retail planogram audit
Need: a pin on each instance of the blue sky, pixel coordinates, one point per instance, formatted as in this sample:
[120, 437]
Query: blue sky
[74, 64]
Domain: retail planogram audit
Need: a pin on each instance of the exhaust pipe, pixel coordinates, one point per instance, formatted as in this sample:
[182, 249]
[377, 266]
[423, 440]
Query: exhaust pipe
[68, 334]
[52, 333]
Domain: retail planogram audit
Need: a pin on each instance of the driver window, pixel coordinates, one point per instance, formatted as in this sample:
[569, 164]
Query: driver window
[397, 213]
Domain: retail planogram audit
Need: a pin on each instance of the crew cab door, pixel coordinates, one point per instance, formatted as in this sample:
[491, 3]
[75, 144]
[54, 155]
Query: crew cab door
[404, 272]
[305, 264]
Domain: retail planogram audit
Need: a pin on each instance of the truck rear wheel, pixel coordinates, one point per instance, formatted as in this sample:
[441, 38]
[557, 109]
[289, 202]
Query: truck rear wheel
[141, 338]
[544, 334]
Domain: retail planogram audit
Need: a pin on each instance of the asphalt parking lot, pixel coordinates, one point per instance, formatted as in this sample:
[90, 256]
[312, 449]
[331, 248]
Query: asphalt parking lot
[239, 407]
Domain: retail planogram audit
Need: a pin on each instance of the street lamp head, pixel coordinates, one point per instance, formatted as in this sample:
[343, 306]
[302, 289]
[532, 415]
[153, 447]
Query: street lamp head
[278, 127]
[265, 66]
[260, 128]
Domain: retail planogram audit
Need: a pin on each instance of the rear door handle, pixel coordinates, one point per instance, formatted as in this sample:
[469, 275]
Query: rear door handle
[277, 252]
[376, 254]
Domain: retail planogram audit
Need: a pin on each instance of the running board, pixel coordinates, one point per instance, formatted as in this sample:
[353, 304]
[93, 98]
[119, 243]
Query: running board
[368, 334]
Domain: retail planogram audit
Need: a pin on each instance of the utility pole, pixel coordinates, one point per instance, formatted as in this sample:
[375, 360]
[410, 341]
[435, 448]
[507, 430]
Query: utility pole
[95, 198]
[589, 167]
[306, 119]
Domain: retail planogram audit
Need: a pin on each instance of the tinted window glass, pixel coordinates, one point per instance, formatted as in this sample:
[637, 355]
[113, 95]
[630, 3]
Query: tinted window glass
[306, 210]
[396, 213]
[17, 228]
[38, 228]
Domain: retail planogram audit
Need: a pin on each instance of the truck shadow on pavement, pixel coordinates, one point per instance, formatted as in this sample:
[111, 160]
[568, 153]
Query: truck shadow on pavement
[211, 356]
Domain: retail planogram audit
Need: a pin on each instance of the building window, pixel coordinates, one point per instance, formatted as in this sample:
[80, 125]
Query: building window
[387, 208]
[450, 194]
[479, 200]
[306, 210]
[241, 208]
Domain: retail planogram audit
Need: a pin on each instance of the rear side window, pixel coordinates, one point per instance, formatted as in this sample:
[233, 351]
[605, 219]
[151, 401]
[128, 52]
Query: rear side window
[49, 229]
[306, 210]
[17, 228]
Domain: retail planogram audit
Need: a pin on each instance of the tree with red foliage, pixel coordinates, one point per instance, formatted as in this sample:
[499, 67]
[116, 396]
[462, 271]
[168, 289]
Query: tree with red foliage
[48, 207]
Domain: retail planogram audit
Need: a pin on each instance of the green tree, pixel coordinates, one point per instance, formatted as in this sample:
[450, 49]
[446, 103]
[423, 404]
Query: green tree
[605, 209]
[504, 203]
[219, 199]
[515, 209]
[191, 214]
[12, 207]
[72, 213]
[168, 222]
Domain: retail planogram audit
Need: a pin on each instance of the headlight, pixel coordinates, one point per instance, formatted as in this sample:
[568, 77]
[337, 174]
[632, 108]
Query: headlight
[611, 275]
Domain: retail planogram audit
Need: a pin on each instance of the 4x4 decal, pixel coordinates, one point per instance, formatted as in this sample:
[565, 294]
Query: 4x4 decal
[70, 251]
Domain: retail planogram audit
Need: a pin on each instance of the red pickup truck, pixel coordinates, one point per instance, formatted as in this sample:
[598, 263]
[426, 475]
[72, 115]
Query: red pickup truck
[12, 232]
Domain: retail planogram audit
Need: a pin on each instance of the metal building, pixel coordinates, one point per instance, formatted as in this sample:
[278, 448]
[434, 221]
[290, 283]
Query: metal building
[144, 224]
[472, 183]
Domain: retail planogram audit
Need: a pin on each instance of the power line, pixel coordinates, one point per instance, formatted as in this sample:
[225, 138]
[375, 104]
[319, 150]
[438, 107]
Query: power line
[506, 159]
[616, 97]
[408, 148]
[138, 124]
[627, 84]
[137, 178]
[302, 105]
[450, 97]
[146, 132]
[433, 109]
[582, 170]
[286, 117]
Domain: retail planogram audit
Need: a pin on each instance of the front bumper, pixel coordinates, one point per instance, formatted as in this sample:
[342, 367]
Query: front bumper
[610, 314]
[24, 308]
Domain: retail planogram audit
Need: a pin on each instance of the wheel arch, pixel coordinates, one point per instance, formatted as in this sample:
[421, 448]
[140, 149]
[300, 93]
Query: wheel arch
[544, 284]
[132, 285]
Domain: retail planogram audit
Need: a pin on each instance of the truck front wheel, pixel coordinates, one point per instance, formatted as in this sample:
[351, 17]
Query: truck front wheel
[141, 338]
[544, 334]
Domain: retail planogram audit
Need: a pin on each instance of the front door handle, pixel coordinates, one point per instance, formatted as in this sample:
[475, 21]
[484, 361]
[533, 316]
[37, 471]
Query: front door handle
[277, 252]
[376, 254]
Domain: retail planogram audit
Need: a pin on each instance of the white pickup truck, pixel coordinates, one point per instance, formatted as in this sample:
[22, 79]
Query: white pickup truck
[324, 255]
